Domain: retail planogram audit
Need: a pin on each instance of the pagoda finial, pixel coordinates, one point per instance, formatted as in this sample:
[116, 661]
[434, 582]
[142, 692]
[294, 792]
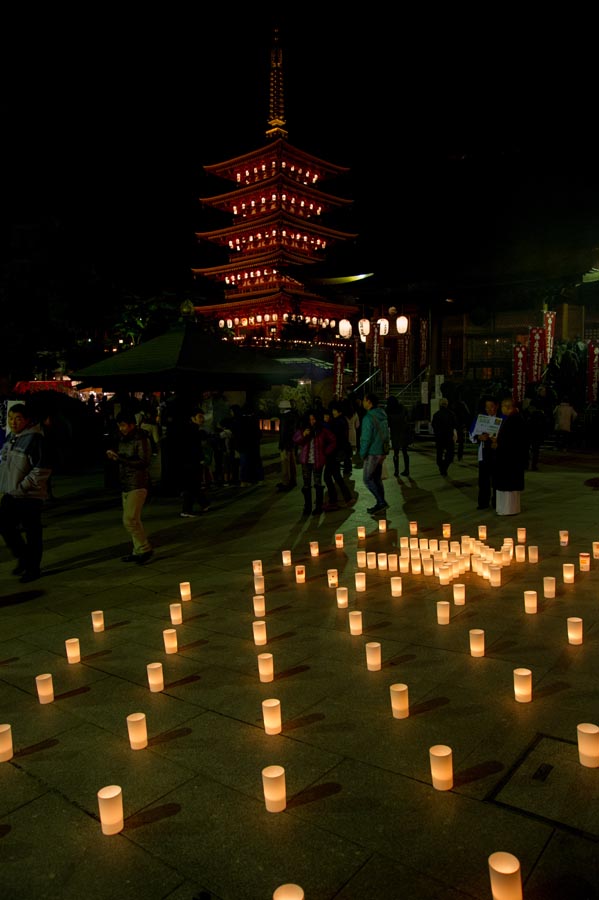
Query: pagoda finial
[276, 118]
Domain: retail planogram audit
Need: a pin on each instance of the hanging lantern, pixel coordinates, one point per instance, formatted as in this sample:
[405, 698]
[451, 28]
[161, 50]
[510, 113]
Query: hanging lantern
[345, 329]
[402, 324]
[383, 326]
[221, 323]
[364, 329]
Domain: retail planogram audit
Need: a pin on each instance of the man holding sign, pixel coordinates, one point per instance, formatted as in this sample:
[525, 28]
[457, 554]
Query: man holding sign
[485, 426]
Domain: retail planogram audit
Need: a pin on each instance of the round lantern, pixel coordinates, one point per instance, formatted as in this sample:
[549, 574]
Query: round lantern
[345, 329]
[402, 324]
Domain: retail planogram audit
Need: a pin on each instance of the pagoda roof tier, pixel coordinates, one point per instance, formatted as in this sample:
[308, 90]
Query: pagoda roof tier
[247, 232]
[280, 302]
[276, 156]
[278, 257]
[302, 201]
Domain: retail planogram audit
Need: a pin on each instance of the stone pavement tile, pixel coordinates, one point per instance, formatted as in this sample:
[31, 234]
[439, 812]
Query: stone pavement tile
[19, 789]
[29, 662]
[383, 879]
[79, 861]
[569, 867]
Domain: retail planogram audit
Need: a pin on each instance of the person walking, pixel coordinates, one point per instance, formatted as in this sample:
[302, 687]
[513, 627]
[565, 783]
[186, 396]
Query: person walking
[24, 475]
[564, 415]
[445, 428]
[399, 427]
[511, 459]
[374, 447]
[133, 455]
[315, 443]
[288, 425]
[337, 423]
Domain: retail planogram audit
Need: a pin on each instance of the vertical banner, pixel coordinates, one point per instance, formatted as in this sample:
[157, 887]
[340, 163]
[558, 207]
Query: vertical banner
[376, 346]
[549, 323]
[536, 353]
[519, 380]
[385, 365]
[592, 371]
[403, 358]
[338, 367]
[423, 350]
[356, 360]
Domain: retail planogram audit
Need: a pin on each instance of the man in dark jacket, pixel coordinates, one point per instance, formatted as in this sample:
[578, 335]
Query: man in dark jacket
[24, 475]
[445, 427]
[374, 446]
[288, 425]
[133, 456]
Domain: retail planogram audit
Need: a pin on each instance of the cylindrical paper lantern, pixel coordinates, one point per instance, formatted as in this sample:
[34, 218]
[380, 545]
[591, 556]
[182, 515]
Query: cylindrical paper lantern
[530, 602]
[259, 606]
[138, 731]
[396, 586]
[595, 549]
[443, 612]
[521, 534]
[110, 804]
[549, 587]
[289, 892]
[332, 577]
[482, 532]
[361, 559]
[271, 713]
[155, 677]
[314, 548]
[533, 554]
[185, 590]
[441, 761]
[404, 564]
[404, 542]
[259, 584]
[342, 597]
[45, 688]
[170, 640]
[373, 656]
[428, 565]
[339, 541]
[266, 667]
[505, 876]
[176, 611]
[588, 744]
[98, 620]
[6, 748]
[73, 651]
[568, 570]
[413, 527]
[520, 553]
[275, 792]
[355, 622]
[259, 631]
[400, 703]
[381, 561]
[371, 560]
[257, 566]
[361, 532]
[459, 594]
[584, 562]
[300, 574]
[477, 642]
[286, 557]
[382, 525]
[446, 528]
[495, 576]
[563, 538]
[574, 630]
[523, 685]
[360, 578]
[445, 573]
[416, 564]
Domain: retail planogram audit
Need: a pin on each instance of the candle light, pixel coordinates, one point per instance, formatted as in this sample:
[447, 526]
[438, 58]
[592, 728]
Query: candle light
[416, 563]
[523, 685]
[314, 548]
[459, 594]
[259, 606]
[286, 557]
[371, 560]
[533, 554]
[588, 744]
[360, 578]
[176, 611]
[332, 578]
[396, 586]
[339, 541]
[595, 549]
[495, 576]
[520, 553]
[404, 543]
[98, 620]
[45, 688]
[446, 529]
[428, 565]
[433, 545]
[521, 534]
[530, 602]
[482, 532]
[258, 584]
[289, 892]
[584, 562]
[568, 573]
[73, 651]
[549, 587]
[444, 546]
[445, 573]
[259, 631]
[477, 642]
[373, 656]
[563, 538]
[266, 667]
[355, 622]
[574, 630]
[441, 767]
[400, 703]
[185, 590]
[423, 543]
[275, 793]
[404, 564]
[137, 729]
[110, 804]
[271, 713]
[6, 748]
[381, 559]
[342, 597]
[443, 612]
[361, 559]
[300, 574]
[257, 566]
[413, 527]
[155, 677]
[382, 525]
[361, 532]
[505, 876]
[170, 640]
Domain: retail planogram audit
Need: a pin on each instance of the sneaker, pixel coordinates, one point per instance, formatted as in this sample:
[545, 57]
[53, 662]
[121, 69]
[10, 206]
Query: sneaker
[187, 516]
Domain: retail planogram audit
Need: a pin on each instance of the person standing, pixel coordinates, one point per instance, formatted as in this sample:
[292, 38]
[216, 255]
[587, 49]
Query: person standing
[445, 428]
[399, 426]
[315, 443]
[195, 455]
[563, 415]
[374, 446]
[337, 423]
[24, 475]
[133, 455]
[288, 425]
[486, 455]
[511, 459]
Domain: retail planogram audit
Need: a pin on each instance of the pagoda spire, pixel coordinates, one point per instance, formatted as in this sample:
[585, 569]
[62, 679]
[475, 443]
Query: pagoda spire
[276, 108]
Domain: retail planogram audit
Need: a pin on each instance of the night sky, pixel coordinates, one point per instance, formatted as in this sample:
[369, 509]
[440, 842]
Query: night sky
[469, 139]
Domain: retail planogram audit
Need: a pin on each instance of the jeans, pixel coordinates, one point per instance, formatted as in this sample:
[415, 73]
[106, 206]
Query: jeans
[372, 475]
[133, 502]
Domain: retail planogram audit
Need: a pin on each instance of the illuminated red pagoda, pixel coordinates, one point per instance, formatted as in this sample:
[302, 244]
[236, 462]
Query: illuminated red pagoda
[277, 205]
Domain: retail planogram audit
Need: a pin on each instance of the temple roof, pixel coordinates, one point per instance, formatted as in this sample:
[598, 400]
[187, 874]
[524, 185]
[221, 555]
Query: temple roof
[276, 151]
[280, 301]
[280, 183]
[279, 256]
[279, 218]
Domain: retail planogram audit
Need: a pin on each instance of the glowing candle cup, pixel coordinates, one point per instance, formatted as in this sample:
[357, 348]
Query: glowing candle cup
[170, 640]
[523, 685]
[138, 731]
[482, 532]
[588, 744]
[98, 620]
[342, 597]
[6, 748]
[584, 562]
[568, 573]
[339, 541]
[361, 532]
[45, 688]
[443, 612]
[332, 578]
[521, 534]
[271, 714]
[266, 667]
[459, 594]
[259, 631]
[176, 611]
[441, 762]
[289, 892]
[259, 606]
[533, 554]
[185, 590]
[530, 602]
[549, 587]
[477, 642]
[373, 656]
[563, 538]
[360, 579]
[155, 677]
[257, 566]
[300, 574]
[355, 622]
[574, 630]
[259, 584]
[314, 548]
[275, 791]
[396, 586]
[73, 651]
[110, 805]
[286, 557]
[400, 703]
[505, 876]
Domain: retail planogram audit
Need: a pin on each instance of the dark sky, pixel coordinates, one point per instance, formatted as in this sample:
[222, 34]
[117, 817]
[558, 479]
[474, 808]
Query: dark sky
[463, 133]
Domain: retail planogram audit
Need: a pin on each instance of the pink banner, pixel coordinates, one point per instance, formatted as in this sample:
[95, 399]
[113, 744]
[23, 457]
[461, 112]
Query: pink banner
[549, 323]
[536, 354]
[592, 371]
[423, 354]
[338, 367]
[519, 382]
